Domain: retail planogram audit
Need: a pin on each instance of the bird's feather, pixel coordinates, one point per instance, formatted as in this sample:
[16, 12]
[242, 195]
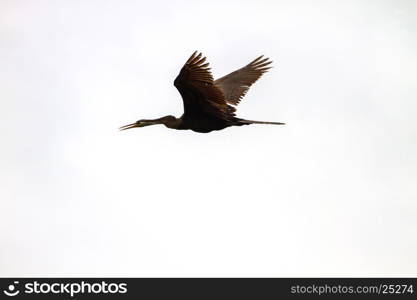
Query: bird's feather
[236, 84]
[200, 95]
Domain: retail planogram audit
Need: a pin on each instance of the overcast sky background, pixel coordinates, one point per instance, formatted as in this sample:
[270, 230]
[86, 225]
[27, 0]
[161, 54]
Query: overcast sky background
[332, 193]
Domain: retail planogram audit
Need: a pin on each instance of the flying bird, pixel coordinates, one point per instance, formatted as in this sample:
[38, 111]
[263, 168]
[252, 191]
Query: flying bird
[208, 103]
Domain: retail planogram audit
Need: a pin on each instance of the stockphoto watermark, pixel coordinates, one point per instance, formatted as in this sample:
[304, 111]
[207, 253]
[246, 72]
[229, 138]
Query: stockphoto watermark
[70, 288]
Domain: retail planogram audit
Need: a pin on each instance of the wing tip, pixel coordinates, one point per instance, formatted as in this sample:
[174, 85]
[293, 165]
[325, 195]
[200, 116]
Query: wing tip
[196, 58]
[260, 62]
[192, 57]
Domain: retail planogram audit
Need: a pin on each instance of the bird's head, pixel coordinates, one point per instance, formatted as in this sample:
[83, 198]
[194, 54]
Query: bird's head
[139, 123]
[167, 120]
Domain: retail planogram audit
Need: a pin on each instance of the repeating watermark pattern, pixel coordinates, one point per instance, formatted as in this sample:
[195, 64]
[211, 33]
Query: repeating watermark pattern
[71, 289]
[207, 288]
[12, 290]
[381, 289]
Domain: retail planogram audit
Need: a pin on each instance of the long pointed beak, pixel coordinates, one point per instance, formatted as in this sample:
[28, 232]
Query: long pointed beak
[129, 126]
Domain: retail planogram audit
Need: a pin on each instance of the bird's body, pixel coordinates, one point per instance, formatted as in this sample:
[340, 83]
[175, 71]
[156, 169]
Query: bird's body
[202, 123]
[208, 104]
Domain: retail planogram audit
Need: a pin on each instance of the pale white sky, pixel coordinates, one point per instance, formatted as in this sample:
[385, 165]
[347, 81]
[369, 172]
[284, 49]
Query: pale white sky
[333, 193]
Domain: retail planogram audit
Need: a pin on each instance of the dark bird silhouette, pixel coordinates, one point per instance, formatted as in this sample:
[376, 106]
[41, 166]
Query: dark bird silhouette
[208, 103]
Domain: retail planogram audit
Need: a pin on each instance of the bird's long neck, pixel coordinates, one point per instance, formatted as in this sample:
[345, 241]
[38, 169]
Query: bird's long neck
[168, 121]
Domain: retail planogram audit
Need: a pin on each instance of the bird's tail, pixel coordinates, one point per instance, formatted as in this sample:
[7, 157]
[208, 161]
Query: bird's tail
[248, 122]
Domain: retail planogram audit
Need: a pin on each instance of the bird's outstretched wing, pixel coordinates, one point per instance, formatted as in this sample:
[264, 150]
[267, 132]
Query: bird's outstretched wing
[199, 93]
[236, 84]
